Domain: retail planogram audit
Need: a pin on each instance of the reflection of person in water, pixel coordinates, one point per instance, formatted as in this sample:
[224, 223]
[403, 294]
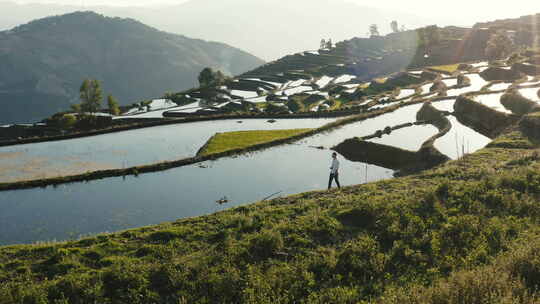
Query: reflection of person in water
[334, 171]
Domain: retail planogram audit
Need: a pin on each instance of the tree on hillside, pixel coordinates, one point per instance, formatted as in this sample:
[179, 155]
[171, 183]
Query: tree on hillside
[209, 77]
[498, 46]
[323, 44]
[76, 108]
[114, 107]
[206, 77]
[91, 95]
[329, 44]
[395, 27]
[374, 30]
[220, 78]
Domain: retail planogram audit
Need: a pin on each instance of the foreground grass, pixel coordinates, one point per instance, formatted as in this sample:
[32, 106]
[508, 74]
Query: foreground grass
[466, 232]
[222, 142]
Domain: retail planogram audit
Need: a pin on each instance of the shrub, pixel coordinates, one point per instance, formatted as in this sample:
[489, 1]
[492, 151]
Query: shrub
[163, 279]
[164, 236]
[361, 261]
[341, 294]
[67, 121]
[324, 229]
[265, 244]
[125, 283]
[75, 289]
[363, 216]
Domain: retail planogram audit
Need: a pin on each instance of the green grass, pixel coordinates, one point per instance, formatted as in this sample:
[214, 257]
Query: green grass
[222, 142]
[450, 68]
[336, 105]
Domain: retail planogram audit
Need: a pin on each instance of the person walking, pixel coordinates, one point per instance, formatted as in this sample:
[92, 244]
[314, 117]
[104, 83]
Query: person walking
[334, 171]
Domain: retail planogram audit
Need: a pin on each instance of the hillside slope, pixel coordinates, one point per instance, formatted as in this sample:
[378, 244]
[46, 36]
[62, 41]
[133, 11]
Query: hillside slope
[44, 62]
[345, 246]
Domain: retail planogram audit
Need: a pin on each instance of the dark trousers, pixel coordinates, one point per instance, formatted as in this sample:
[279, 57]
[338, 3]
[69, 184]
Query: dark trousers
[332, 177]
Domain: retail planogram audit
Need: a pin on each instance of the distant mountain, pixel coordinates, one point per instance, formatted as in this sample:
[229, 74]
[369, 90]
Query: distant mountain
[271, 29]
[268, 29]
[43, 63]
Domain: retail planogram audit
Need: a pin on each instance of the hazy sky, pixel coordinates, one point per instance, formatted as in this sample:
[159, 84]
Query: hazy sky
[480, 10]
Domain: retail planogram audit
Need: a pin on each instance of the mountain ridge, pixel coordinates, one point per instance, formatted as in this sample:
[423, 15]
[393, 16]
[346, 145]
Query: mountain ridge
[212, 20]
[48, 58]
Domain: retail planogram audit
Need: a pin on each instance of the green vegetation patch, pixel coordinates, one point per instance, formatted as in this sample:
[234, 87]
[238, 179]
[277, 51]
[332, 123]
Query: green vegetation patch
[222, 142]
[450, 68]
[512, 140]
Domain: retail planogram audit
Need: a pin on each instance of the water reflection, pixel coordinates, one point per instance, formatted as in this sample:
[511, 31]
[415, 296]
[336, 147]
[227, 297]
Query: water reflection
[125, 149]
[116, 203]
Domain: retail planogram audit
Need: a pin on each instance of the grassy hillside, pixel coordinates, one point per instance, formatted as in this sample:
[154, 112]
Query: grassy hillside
[461, 233]
[47, 59]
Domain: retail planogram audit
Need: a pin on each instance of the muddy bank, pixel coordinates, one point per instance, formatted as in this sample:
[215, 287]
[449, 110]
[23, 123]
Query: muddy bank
[401, 160]
[518, 104]
[530, 125]
[496, 73]
[528, 69]
[481, 118]
[439, 120]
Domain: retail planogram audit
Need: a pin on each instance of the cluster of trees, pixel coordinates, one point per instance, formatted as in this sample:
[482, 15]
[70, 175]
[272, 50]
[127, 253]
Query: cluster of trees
[394, 25]
[91, 96]
[326, 44]
[374, 30]
[209, 77]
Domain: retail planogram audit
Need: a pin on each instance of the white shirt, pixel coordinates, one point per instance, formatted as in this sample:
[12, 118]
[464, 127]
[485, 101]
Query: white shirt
[335, 166]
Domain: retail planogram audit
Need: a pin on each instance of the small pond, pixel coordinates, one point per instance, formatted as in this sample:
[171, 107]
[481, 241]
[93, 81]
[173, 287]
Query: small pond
[461, 139]
[530, 93]
[477, 83]
[493, 101]
[410, 138]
